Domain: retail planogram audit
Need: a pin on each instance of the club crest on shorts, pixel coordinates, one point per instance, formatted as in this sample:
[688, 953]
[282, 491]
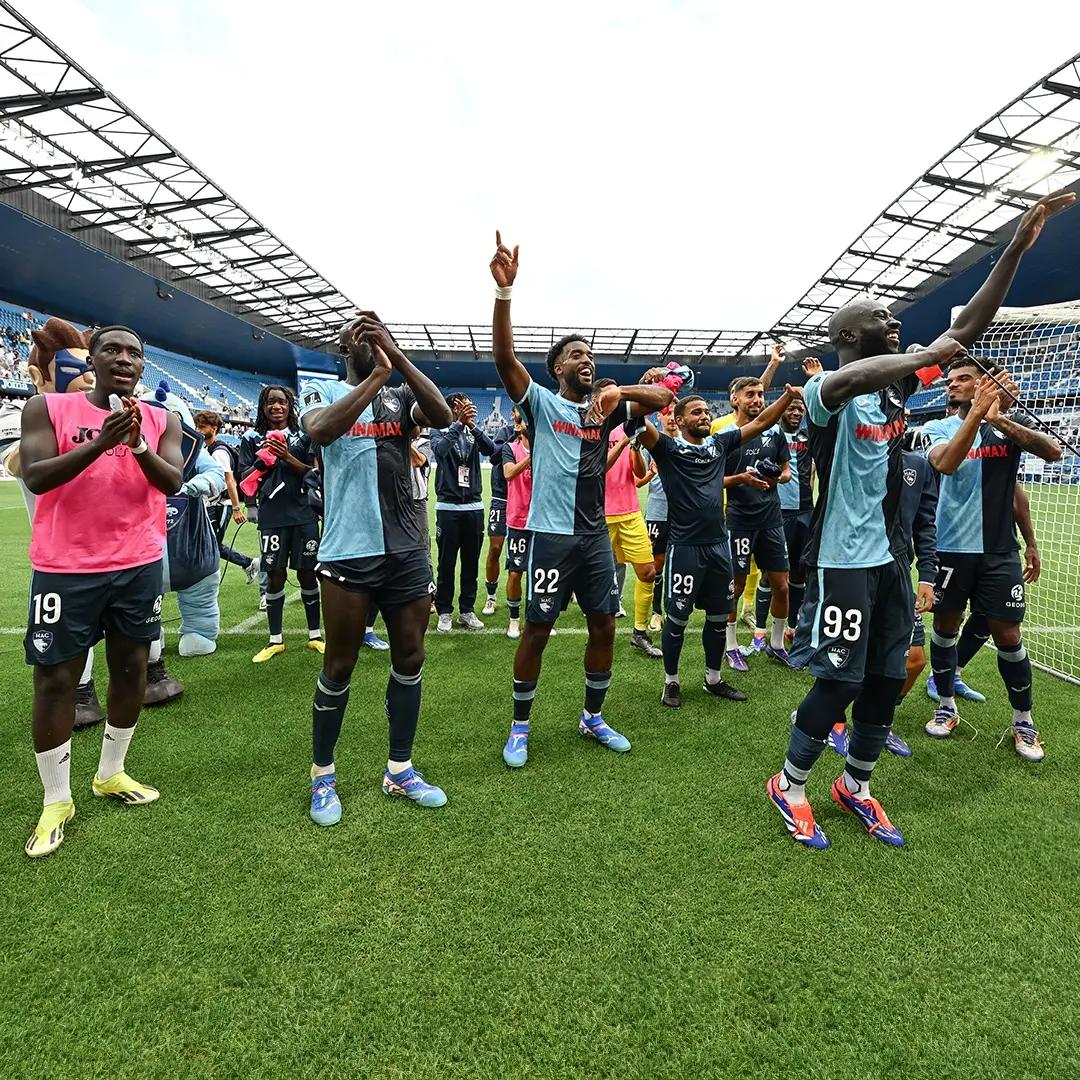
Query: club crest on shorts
[431, 588]
[838, 655]
[546, 604]
[1018, 592]
[909, 477]
[311, 545]
[157, 606]
[42, 640]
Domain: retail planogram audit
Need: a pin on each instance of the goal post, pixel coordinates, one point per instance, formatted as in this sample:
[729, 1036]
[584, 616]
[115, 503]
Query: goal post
[1040, 348]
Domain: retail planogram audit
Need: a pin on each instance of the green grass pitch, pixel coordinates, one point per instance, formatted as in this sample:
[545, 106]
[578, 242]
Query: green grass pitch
[594, 915]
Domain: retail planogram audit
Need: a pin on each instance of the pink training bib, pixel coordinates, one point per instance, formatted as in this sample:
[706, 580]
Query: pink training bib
[109, 517]
[620, 495]
[518, 490]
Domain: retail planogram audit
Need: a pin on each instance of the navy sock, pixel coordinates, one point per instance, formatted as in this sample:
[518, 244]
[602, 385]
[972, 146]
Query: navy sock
[796, 596]
[402, 712]
[596, 687]
[514, 607]
[973, 637]
[802, 752]
[671, 642]
[275, 612]
[864, 748]
[871, 718]
[524, 693]
[824, 706]
[943, 662]
[491, 586]
[310, 598]
[762, 602]
[658, 594]
[713, 639]
[327, 714]
[1015, 668]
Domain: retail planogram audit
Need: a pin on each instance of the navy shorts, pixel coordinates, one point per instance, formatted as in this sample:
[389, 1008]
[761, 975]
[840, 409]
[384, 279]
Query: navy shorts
[856, 622]
[918, 633]
[767, 547]
[70, 613]
[582, 565]
[496, 523]
[295, 546]
[658, 536]
[390, 580]
[698, 576]
[517, 550]
[796, 537]
[992, 584]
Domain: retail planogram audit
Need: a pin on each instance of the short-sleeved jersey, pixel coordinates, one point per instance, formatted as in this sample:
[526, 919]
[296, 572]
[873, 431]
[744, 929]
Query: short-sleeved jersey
[693, 478]
[975, 504]
[857, 449]
[722, 423]
[656, 509]
[281, 496]
[798, 492]
[569, 462]
[750, 507]
[368, 505]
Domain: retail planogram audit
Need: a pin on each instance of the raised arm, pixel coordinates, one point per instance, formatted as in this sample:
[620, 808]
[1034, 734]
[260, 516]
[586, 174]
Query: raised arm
[325, 425]
[771, 415]
[431, 408]
[876, 372]
[776, 358]
[512, 372]
[983, 306]
[947, 457]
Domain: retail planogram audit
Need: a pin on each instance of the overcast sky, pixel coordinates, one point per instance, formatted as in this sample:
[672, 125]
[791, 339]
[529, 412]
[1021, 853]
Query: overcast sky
[661, 164]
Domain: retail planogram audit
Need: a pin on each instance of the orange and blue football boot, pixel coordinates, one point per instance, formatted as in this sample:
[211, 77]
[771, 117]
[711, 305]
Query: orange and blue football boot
[870, 814]
[798, 820]
[838, 738]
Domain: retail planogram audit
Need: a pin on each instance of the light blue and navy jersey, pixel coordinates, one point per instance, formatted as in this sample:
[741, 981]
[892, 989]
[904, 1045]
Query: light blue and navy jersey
[798, 493]
[750, 507]
[857, 449]
[693, 478]
[975, 504]
[656, 509]
[368, 506]
[569, 462]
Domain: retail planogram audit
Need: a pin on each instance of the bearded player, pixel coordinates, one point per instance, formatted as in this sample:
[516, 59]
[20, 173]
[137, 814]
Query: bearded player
[857, 628]
[569, 548]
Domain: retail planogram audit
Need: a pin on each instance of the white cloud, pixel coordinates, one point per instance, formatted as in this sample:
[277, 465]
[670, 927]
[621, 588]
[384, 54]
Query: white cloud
[680, 164]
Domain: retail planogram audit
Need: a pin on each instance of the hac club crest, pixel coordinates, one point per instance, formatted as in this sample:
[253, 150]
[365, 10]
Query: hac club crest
[839, 655]
[909, 477]
[42, 640]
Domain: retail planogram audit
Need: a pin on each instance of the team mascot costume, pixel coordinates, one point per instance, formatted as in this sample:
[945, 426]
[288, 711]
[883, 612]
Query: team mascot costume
[57, 366]
[191, 552]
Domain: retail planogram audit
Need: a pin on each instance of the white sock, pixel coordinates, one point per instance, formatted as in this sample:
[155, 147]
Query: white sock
[369, 629]
[395, 768]
[859, 788]
[114, 748]
[313, 635]
[794, 793]
[155, 649]
[54, 768]
[276, 639]
[1023, 718]
[779, 625]
[712, 676]
[732, 637]
[590, 715]
[947, 702]
[88, 668]
[321, 770]
[669, 679]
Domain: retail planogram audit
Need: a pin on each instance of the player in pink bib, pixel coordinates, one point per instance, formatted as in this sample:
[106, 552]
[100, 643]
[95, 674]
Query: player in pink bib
[514, 460]
[100, 466]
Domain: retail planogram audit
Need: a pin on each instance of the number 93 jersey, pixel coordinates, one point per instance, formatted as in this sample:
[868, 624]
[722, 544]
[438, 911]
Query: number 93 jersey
[856, 621]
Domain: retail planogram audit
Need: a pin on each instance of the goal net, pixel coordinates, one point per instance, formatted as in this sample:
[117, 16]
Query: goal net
[1040, 348]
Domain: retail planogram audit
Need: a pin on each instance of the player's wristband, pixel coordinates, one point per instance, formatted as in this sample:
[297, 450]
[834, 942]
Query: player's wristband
[502, 292]
[141, 448]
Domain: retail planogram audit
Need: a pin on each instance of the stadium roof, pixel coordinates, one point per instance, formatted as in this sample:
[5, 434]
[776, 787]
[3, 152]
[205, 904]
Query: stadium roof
[954, 209]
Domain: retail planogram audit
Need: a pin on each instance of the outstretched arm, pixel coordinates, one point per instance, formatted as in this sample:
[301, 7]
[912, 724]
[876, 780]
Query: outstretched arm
[512, 372]
[1033, 441]
[877, 372]
[983, 306]
[770, 416]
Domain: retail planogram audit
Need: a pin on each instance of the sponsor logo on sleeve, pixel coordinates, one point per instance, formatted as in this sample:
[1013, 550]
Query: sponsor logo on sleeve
[312, 397]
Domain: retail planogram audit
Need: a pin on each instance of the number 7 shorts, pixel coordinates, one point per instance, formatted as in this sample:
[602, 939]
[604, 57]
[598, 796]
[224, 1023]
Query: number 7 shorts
[855, 622]
[560, 566]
